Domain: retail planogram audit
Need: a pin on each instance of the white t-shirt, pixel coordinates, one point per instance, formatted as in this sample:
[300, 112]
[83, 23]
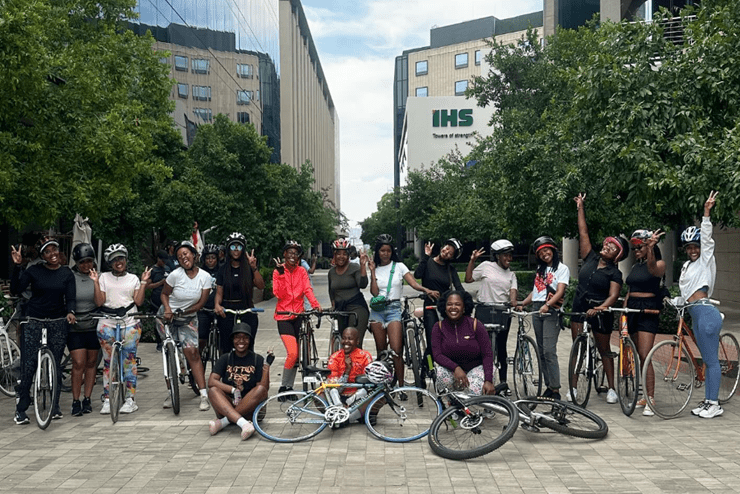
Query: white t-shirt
[552, 278]
[497, 283]
[185, 291]
[381, 275]
[119, 292]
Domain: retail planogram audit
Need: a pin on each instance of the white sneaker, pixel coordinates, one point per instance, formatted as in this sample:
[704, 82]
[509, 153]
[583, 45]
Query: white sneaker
[106, 407]
[247, 430]
[703, 404]
[711, 411]
[648, 411]
[167, 402]
[204, 405]
[611, 396]
[569, 397]
[129, 406]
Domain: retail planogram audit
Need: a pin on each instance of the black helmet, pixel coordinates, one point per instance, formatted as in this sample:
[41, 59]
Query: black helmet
[83, 251]
[292, 244]
[210, 249]
[384, 239]
[542, 242]
[456, 244]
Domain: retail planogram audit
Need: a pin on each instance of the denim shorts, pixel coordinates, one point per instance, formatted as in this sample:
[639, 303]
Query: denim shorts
[392, 312]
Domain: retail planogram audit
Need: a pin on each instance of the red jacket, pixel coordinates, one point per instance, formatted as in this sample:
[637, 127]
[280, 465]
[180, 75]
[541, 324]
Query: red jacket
[290, 288]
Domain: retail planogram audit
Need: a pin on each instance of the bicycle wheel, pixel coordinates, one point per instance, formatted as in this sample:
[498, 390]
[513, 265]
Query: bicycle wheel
[729, 351]
[567, 418]
[335, 337]
[115, 384]
[44, 388]
[599, 376]
[674, 378]
[298, 419]
[527, 373]
[408, 418]
[304, 350]
[191, 381]
[173, 381]
[414, 356]
[65, 368]
[580, 366]
[628, 376]
[487, 424]
[10, 355]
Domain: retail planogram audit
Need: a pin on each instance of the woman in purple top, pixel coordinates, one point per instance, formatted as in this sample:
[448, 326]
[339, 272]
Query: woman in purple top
[461, 348]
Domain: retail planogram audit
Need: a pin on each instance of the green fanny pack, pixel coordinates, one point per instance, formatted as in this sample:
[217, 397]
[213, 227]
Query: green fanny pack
[380, 302]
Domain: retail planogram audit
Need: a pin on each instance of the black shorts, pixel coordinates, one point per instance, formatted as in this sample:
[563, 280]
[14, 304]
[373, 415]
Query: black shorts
[87, 340]
[602, 323]
[647, 323]
[205, 319]
[289, 327]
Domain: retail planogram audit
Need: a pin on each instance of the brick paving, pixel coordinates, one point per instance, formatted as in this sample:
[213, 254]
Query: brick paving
[154, 451]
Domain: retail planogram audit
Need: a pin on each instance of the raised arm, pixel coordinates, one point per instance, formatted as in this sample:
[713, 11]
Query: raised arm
[471, 265]
[584, 242]
[655, 267]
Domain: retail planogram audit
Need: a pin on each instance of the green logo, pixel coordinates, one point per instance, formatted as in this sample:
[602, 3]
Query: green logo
[452, 118]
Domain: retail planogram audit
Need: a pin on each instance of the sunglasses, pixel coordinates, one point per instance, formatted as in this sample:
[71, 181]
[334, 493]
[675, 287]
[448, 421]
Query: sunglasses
[234, 247]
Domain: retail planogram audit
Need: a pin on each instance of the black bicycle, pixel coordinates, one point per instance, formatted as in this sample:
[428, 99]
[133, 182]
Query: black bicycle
[414, 340]
[335, 334]
[308, 354]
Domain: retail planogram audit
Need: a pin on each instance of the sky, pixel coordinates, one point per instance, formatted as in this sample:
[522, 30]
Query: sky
[357, 42]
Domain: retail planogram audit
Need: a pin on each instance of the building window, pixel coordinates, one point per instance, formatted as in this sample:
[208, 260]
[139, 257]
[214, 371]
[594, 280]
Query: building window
[243, 97]
[245, 70]
[461, 60]
[460, 87]
[182, 90]
[422, 68]
[181, 63]
[202, 93]
[201, 66]
[242, 117]
[477, 57]
[422, 92]
[205, 114]
[258, 95]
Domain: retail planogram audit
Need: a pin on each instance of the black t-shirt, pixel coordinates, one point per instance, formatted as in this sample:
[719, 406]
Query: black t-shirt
[436, 276]
[236, 295]
[242, 373]
[53, 291]
[640, 280]
[594, 283]
[158, 273]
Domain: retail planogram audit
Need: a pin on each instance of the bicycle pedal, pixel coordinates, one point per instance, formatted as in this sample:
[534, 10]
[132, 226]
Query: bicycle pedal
[602, 389]
[530, 428]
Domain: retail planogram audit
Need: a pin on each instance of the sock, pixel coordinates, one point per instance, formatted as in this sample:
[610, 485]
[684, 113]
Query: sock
[224, 421]
[204, 392]
[713, 402]
[241, 422]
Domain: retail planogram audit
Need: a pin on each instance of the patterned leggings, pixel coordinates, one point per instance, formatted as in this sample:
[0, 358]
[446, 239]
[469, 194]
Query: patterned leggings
[130, 338]
[56, 339]
[446, 378]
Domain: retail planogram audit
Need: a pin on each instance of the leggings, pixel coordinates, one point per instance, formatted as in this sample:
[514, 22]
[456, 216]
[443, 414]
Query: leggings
[56, 339]
[707, 323]
[446, 379]
[289, 330]
[130, 336]
[226, 326]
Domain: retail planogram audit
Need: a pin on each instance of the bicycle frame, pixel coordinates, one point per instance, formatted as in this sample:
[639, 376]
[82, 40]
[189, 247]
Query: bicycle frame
[682, 333]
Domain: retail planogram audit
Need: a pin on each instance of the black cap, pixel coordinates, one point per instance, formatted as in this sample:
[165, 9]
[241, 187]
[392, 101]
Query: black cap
[163, 255]
[242, 328]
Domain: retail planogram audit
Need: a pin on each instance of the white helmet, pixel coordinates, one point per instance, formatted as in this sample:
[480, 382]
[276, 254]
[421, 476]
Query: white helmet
[378, 372]
[501, 246]
[113, 251]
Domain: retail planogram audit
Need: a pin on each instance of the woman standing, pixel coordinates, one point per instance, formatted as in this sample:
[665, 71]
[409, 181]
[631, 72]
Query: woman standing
[235, 285]
[52, 297]
[346, 279]
[82, 339]
[117, 290]
[387, 274]
[550, 282]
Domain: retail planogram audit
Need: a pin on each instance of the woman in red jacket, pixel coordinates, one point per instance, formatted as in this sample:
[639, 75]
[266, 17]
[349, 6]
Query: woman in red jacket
[290, 284]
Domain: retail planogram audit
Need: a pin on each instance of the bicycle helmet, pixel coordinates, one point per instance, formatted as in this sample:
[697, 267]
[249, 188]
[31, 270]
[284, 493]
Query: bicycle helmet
[622, 244]
[83, 251]
[691, 235]
[640, 237]
[187, 244]
[45, 242]
[113, 251]
[340, 244]
[292, 244]
[384, 239]
[456, 244]
[210, 249]
[502, 246]
[236, 238]
[542, 242]
[378, 372]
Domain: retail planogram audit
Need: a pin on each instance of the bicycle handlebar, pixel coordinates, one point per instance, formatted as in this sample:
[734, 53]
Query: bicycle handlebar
[337, 313]
[239, 312]
[44, 319]
[513, 312]
[633, 311]
[312, 312]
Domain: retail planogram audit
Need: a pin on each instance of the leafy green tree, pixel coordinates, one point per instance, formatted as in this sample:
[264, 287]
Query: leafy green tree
[383, 220]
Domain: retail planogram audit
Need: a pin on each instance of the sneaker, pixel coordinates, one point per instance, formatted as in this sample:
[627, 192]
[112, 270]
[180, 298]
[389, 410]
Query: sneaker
[56, 414]
[702, 405]
[611, 396]
[159, 347]
[204, 405]
[555, 395]
[282, 389]
[648, 412]
[214, 426]
[247, 430]
[76, 408]
[547, 394]
[21, 418]
[86, 405]
[640, 403]
[712, 410]
[106, 407]
[129, 406]
[167, 402]
[568, 395]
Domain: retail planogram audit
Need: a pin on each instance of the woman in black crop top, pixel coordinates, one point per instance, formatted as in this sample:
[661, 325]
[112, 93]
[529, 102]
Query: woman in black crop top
[644, 282]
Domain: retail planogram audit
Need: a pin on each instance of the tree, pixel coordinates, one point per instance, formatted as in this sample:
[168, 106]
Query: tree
[384, 220]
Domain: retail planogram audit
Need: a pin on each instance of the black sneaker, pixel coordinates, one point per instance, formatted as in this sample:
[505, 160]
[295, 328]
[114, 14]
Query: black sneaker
[21, 418]
[76, 408]
[555, 395]
[548, 393]
[56, 414]
[283, 399]
[86, 405]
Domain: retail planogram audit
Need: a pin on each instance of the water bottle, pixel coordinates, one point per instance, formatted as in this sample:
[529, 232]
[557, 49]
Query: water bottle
[359, 395]
[237, 396]
[334, 398]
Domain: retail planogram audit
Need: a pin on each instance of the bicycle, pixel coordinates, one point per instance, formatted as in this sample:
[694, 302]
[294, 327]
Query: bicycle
[211, 352]
[335, 335]
[10, 354]
[414, 340]
[308, 355]
[678, 370]
[174, 364]
[395, 415]
[585, 365]
[526, 369]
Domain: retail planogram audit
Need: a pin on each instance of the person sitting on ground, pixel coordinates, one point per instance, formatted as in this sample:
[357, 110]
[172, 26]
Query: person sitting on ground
[238, 383]
[345, 365]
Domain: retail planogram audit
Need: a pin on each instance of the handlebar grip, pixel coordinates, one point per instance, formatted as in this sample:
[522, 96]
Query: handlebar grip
[651, 311]
[258, 310]
[282, 312]
[714, 302]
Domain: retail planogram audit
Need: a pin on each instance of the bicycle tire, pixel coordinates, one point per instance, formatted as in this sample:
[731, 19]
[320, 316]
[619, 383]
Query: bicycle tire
[65, 369]
[457, 435]
[411, 422]
[527, 373]
[580, 369]
[729, 351]
[173, 381]
[674, 378]
[191, 381]
[598, 374]
[567, 418]
[44, 388]
[214, 352]
[415, 356]
[9, 353]
[335, 337]
[628, 376]
[115, 385]
[299, 418]
[304, 357]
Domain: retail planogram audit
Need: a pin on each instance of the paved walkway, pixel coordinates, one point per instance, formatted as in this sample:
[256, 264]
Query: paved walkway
[153, 451]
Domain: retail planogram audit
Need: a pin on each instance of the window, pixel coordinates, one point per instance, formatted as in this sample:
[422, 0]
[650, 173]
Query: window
[422, 68]
[201, 66]
[182, 90]
[258, 95]
[244, 70]
[422, 92]
[460, 87]
[243, 97]
[181, 63]
[477, 57]
[205, 114]
[461, 60]
[242, 117]
[202, 93]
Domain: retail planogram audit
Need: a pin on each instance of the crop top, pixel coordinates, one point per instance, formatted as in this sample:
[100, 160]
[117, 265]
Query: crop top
[640, 280]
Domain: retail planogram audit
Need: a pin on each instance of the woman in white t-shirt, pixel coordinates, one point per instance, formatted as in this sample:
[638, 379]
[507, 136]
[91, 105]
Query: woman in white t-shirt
[116, 290]
[550, 282]
[385, 324]
[186, 291]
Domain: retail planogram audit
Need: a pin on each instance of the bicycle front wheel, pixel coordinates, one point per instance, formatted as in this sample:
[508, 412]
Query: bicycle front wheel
[10, 354]
[580, 368]
[298, 418]
[44, 387]
[527, 373]
[404, 415]
[566, 418]
[729, 351]
[115, 383]
[173, 379]
[674, 378]
[485, 425]
[628, 378]
[414, 360]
